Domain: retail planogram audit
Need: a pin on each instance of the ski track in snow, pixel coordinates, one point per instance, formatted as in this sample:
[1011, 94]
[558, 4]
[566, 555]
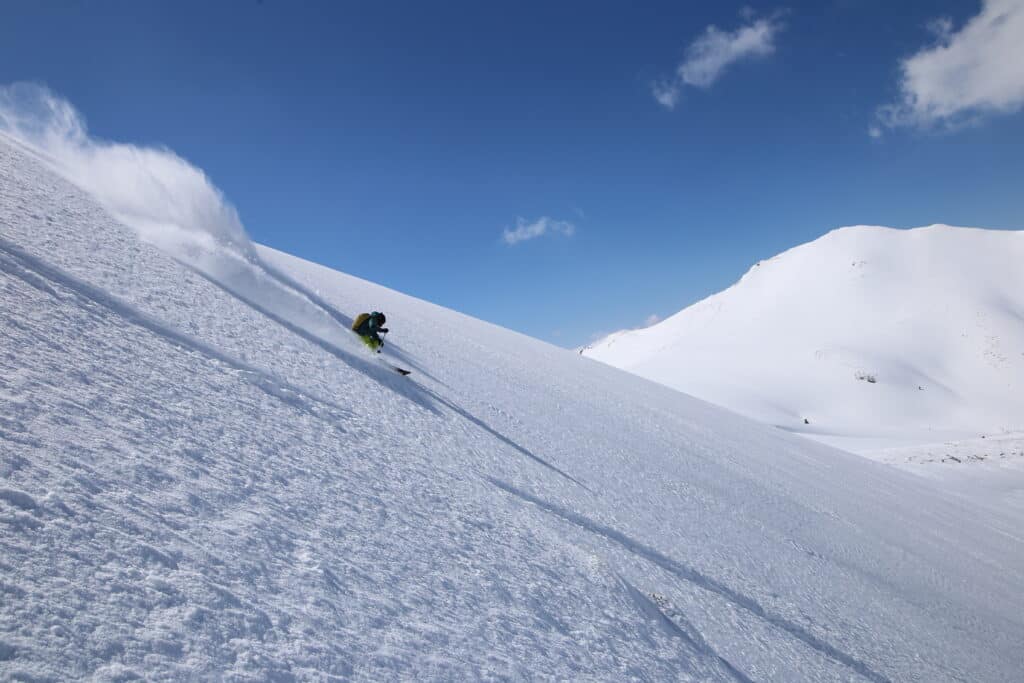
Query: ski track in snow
[698, 579]
[204, 476]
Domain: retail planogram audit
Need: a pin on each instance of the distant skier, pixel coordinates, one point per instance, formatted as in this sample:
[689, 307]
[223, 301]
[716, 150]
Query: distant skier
[370, 326]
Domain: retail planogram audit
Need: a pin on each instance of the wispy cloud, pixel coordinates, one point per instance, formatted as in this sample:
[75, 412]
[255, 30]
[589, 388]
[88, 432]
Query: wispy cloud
[525, 230]
[652, 319]
[667, 93]
[711, 54]
[966, 74]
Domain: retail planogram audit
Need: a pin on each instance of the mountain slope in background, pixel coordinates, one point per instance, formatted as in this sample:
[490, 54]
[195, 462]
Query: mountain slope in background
[876, 337]
[204, 475]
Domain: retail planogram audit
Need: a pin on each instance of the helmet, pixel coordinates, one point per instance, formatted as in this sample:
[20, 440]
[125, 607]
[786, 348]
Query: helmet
[381, 318]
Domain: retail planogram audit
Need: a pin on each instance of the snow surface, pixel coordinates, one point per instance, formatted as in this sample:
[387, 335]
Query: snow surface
[989, 470]
[204, 475]
[876, 337]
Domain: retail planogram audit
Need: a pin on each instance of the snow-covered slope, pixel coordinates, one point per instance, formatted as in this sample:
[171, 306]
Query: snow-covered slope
[874, 336]
[988, 469]
[204, 476]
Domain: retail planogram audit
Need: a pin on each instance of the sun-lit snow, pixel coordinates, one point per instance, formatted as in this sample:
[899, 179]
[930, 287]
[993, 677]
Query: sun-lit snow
[204, 476]
[868, 337]
[989, 469]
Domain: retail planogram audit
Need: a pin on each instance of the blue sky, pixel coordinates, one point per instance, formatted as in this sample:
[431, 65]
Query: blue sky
[512, 160]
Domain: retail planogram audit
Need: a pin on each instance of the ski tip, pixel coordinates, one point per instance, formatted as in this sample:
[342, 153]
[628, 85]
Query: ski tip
[403, 372]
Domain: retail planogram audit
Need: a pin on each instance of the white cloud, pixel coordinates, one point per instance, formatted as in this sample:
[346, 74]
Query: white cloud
[974, 71]
[652, 319]
[942, 27]
[666, 93]
[708, 57]
[538, 228]
[716, 50]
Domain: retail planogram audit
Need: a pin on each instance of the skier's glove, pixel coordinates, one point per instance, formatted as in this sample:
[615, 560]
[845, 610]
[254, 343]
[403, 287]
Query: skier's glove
[383, 330]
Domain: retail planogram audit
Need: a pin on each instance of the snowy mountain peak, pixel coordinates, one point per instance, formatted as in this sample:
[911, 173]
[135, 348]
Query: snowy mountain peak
[933, 315]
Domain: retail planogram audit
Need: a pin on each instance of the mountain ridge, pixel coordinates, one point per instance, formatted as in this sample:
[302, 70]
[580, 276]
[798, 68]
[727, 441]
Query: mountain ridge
[885, 306]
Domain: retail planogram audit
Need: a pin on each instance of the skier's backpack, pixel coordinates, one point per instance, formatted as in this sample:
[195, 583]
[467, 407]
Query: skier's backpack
[360, 319]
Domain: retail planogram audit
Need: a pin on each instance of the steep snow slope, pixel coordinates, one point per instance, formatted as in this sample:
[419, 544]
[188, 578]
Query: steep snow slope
[204, 475]
[876, 337]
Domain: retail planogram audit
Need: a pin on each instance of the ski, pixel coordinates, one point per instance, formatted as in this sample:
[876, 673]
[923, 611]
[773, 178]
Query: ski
[379, 347]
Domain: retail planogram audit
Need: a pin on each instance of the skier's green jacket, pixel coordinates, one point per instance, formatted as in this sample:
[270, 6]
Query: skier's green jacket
[370, 326]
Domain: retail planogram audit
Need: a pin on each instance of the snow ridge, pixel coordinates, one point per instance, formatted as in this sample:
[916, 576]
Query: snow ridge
[866, 337]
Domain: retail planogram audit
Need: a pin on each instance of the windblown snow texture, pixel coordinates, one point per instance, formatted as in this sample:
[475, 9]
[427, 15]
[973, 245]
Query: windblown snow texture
[205, 476]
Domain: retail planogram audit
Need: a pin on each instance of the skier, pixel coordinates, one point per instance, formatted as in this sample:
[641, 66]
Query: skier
[370, 326]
